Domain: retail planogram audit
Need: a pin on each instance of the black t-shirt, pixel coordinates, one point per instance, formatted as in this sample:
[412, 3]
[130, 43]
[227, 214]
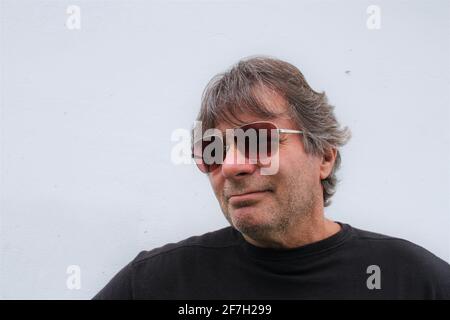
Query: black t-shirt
[351, 264]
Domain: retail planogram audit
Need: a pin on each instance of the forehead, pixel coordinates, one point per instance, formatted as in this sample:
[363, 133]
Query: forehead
[282, 121]
[273, 102]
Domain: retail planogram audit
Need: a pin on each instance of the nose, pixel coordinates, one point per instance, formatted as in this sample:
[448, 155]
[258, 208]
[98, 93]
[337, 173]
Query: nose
[235, 165]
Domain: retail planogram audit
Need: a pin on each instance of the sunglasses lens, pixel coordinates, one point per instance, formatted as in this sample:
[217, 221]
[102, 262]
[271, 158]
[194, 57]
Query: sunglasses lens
[255, 141]
[260, 140]
[208, 153]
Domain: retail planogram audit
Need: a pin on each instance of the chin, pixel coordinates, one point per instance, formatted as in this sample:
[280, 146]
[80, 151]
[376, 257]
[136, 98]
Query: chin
[247, 221]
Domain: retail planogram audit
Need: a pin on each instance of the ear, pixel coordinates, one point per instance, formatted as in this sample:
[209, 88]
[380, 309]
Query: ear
[327, 163]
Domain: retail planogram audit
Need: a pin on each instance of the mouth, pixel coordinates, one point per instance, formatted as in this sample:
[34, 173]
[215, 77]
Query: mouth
[248, 196]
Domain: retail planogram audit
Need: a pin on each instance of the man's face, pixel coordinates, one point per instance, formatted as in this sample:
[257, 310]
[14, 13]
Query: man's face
[283, 199]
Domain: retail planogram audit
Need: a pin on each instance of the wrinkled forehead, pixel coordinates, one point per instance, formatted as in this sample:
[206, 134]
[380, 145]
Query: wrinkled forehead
[243, 108]
[268, 105]
[249, 118]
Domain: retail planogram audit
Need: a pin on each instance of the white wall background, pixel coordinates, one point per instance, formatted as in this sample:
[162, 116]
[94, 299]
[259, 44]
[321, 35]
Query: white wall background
[87, 116]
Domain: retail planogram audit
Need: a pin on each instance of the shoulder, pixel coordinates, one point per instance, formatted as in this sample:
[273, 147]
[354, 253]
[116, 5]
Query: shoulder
[407, 258]
[156, 268]
[399, 247]
[219, 239]
[395, 247]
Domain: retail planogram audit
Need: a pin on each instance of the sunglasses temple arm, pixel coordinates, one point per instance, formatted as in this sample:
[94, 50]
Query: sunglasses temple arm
[289, 131]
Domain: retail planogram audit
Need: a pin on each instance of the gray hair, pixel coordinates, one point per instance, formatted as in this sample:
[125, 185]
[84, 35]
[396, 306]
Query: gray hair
[232, 93]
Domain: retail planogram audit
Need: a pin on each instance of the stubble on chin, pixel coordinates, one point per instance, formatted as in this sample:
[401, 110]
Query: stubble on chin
[265, 224]
[277, 219]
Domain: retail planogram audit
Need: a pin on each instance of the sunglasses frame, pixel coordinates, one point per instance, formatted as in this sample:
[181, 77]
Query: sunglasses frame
[227, 146]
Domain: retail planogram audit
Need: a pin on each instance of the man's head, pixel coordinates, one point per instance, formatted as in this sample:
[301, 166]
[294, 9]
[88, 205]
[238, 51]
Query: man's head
[268, 89]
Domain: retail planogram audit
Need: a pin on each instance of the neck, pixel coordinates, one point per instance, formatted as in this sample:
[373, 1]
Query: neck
[299, 234]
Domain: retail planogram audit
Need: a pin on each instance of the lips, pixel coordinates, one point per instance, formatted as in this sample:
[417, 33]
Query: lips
[247, 199]
[248, 193]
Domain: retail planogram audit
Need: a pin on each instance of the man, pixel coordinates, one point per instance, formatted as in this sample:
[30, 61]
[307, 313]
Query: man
[279, 245]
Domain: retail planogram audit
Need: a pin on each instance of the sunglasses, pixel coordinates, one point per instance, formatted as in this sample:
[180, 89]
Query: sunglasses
[256, 141]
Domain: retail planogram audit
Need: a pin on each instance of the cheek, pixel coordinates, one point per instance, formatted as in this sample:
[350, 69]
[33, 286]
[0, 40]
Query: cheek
[299, 166]
[217, 185]
[291, 162]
